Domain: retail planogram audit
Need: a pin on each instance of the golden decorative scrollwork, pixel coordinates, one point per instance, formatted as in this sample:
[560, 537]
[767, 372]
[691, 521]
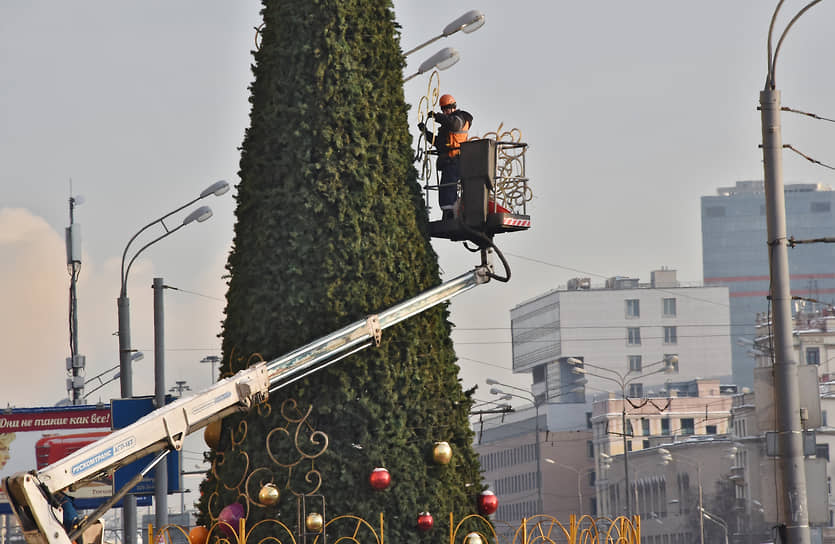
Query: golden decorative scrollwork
[296, 475]
[427, 103]
[511, 188]
[317, 441]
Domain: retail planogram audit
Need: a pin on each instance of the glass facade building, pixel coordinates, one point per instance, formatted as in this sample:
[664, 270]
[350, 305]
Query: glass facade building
[735, 254]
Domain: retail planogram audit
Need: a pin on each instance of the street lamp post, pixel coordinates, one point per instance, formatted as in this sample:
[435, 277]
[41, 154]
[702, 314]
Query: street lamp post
[179, 389]
[786, 384]
[579, 480]
[667, 457]
[123, 305]
[623, 380]
[717, 520]
[134, 357]
[212, 360]
[532, 400]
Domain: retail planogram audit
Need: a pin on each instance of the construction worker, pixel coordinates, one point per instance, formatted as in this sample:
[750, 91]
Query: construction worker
[453, 127]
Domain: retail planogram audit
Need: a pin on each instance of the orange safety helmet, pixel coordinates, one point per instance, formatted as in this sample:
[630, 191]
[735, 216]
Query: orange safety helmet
[447, 100]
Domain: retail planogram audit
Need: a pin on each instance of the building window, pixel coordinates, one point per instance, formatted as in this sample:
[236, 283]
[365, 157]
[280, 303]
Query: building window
[813, 356]
[645, 444]
[590, 448]
[633, 336]
[665, 426]
[633, 308]
[820, 207]
[669, 309]
[710, 429]
[636, 390]
[634, 362]
[672, 361]
[822, 451]
[688, 426]
[670, 335]
[645, 426]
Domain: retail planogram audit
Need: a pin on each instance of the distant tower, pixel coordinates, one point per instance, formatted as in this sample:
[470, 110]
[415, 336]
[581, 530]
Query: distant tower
[75, 362]
[734, 253]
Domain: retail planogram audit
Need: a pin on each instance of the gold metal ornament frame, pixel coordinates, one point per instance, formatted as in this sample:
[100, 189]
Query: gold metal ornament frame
[352, 529]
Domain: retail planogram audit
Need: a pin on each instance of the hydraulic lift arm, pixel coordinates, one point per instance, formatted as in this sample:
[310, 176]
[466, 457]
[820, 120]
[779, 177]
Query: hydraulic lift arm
[33, 495]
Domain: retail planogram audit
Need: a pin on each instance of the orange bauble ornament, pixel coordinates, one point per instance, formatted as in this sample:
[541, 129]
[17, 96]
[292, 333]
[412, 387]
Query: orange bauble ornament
[198, 535]
[211, 434]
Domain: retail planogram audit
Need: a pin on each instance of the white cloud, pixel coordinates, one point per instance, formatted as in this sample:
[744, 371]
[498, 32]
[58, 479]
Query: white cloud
[34, 291]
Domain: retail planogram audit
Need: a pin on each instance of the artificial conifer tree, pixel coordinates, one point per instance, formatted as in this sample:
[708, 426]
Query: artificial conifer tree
[331, 227]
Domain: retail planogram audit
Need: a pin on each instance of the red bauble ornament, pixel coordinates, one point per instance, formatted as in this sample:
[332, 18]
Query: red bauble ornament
[488, 503]
[425, 521]
[379, 478]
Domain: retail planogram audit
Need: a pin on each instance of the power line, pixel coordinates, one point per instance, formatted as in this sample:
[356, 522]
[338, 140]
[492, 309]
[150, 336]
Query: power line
[195, 293]
[620, 326]
[660, 290]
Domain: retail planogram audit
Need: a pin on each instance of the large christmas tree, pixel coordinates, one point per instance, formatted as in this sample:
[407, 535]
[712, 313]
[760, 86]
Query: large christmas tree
[330, 228]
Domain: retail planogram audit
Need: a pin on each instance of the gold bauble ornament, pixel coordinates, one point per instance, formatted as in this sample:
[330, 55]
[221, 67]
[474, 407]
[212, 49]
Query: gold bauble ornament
[473, 538]
[442, 453]
[313, 522]
[268, 495]
[211, 434]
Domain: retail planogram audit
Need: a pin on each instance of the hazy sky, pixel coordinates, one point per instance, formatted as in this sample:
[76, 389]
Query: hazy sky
[633, 110]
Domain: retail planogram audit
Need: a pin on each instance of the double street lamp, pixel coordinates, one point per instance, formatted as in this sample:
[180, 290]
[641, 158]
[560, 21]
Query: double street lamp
[666, 458]
[134, 357]
[446, 57]
[123, 304]
[532, 399]
[623, 380]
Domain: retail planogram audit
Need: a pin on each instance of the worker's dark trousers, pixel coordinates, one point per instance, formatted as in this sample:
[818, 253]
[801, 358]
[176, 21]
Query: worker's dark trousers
[448, 191]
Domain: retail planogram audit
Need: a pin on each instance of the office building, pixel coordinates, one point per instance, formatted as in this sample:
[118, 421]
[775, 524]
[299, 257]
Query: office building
[625, 332]
[735, 254]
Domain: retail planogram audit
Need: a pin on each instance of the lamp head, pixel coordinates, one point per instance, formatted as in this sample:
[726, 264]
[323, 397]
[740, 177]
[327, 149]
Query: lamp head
[491, 381]
[200, 214]
[496, 391]
[469, 22]
[137, 356]
[573, 361]
[217, 188]
[441, 60]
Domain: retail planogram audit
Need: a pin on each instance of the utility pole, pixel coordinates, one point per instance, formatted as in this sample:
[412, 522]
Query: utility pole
[794, 528]
[161, 471]
[75, 362]
[790, 460]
